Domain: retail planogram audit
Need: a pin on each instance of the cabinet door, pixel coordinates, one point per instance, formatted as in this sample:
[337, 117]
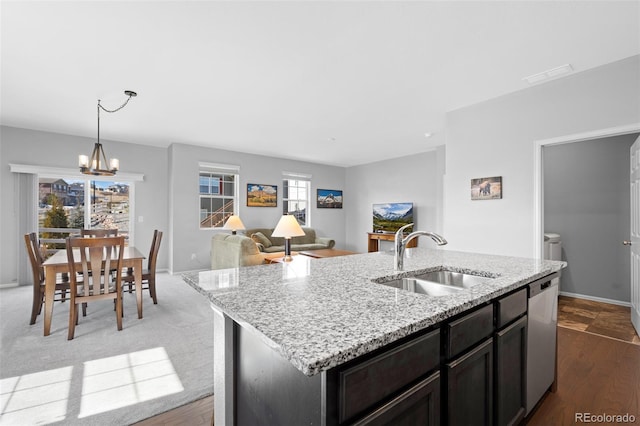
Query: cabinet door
[470, 387]
[511, 353]
[420, 405]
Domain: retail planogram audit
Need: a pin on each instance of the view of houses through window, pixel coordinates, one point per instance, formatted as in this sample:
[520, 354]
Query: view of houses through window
[218, 197]
[295, 199]
[78, 203]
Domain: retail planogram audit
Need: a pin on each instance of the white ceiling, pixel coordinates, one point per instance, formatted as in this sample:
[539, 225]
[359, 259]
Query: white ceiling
[340, 83]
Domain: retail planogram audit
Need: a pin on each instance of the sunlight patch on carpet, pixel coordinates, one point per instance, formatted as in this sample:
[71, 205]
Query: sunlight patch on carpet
[36, 398]
[124, 380]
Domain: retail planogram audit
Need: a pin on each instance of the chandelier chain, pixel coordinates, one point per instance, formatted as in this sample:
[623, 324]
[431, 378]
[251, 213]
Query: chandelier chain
[117, 109]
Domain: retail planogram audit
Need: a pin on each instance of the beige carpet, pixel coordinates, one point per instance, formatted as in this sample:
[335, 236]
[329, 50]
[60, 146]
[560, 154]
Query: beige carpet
[105, 376]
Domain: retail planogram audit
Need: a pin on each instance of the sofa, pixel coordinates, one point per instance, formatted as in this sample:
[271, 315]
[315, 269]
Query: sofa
[269, 244]
[234, 251]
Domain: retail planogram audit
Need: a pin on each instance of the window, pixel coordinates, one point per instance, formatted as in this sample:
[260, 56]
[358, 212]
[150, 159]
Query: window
[218, 185]
[77, 203]
[295, 196]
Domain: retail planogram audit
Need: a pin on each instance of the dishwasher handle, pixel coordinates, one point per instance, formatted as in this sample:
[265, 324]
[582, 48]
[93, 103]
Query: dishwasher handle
[543, 284]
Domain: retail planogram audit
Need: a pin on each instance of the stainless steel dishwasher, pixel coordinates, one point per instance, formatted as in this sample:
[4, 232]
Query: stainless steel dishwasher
[541, 337]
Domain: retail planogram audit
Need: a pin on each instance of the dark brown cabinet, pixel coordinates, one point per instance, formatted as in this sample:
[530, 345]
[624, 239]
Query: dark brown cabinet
[419, 405]
[511, 367]
[470, 387]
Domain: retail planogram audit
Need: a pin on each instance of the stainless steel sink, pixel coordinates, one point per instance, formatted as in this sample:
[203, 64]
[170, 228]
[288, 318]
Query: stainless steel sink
[436, 283]
[452, 278]
[423, 287]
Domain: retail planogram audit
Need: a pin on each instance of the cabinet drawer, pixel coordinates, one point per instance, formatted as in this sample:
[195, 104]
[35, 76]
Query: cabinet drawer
[511, 307]
[468, 330]
[420, 405]
[364, 385]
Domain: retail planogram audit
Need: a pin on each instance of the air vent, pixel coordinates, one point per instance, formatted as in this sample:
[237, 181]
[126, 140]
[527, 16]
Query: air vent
[545, 75]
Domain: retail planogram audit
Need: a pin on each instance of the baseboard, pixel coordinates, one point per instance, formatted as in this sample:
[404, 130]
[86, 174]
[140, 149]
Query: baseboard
[10, 285]
[595, 299]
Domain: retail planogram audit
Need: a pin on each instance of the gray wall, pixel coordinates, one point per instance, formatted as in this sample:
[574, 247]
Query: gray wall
[497, 137]
[586, 201]
[416, 178]
[188, 239]
[31, 147]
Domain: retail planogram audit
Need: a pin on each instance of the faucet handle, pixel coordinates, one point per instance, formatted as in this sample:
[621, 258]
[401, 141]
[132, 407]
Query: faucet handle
[401, 230]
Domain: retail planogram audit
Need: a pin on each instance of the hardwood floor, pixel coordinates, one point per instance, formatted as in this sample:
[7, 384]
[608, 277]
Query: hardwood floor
[604, 319]
[598, 370]
[596, 375]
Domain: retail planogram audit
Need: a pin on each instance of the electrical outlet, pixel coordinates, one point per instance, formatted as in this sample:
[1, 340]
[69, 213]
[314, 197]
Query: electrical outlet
[193, 256]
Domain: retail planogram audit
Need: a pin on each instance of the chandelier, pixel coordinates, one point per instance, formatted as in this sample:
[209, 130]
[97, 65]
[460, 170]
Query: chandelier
[98, 165]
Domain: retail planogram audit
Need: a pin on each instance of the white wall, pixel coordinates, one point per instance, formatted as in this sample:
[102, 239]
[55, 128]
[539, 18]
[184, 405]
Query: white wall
[587, 201]
[416, 178]
[496, 138]
[187, 236]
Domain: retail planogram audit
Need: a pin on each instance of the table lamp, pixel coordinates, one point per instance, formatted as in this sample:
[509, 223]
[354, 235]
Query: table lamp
[235, 224]
[286, 228]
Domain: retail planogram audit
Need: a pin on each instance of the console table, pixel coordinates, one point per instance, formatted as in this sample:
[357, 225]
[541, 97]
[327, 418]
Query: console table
[374, 237]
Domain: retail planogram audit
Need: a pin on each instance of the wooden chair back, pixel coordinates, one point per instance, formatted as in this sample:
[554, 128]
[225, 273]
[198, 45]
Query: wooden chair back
[94, 260]
[35, 258]
[99, 233]
[153, 252]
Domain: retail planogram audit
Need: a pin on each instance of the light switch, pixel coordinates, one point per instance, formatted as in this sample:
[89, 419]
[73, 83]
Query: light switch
[140, 219]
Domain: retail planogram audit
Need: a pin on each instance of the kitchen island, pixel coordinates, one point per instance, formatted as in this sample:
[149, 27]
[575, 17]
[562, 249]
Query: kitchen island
[291, 328]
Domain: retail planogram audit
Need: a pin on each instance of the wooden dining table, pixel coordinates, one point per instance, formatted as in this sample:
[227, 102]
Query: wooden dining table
[57, 264]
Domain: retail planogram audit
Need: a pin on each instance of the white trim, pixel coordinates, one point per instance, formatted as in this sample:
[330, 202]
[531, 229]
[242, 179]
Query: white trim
[595, 299]
[223, 168]
[538, 172]
[11, 285]
[297, 175]
[61, 172]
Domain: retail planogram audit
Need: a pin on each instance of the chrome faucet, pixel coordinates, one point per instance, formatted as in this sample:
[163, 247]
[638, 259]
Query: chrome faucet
[401, 243]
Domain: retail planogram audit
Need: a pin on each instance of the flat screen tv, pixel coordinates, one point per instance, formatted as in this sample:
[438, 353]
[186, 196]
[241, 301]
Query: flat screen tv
[390, 217]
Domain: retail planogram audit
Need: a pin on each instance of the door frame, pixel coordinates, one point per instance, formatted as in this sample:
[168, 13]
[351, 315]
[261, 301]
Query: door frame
[538, 172]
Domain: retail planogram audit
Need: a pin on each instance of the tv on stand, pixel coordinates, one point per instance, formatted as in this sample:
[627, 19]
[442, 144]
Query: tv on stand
[389, 217]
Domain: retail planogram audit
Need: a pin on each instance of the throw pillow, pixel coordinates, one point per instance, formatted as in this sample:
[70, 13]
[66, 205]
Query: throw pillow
[259, 237]
[260, 247]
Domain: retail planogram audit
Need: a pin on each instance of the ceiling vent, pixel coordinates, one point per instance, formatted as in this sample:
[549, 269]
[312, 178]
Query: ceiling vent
[546, 75]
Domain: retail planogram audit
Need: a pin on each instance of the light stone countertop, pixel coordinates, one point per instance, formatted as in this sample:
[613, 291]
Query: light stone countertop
[320, 313]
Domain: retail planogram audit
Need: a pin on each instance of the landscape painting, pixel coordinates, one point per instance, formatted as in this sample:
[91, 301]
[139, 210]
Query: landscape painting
[329, 199]
[389, 217]
[489, 188]
[262, 195]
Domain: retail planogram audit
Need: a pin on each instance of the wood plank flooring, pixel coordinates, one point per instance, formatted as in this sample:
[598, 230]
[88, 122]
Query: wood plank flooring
[604, 319]
[598, 370]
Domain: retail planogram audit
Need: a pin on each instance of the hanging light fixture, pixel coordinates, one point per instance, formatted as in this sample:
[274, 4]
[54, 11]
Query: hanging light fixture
[98, 165]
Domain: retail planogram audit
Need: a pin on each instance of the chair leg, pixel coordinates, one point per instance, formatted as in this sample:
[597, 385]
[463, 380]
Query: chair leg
[119, 310]
[37, 304]
[73, 320]
[152, 290]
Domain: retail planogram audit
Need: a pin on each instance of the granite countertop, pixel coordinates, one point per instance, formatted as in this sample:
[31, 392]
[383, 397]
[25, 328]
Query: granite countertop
[320, 313]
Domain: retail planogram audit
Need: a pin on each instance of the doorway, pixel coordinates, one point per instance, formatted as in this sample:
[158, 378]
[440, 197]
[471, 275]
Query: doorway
[539, 173]
[587, 201]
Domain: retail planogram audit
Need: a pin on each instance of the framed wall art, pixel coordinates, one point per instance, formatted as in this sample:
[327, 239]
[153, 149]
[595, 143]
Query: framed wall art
[329, 199]
[259, 195]
[489, 188]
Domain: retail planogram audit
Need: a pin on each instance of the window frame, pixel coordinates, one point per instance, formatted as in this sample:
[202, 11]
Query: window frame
[223, 170]
[297, 177]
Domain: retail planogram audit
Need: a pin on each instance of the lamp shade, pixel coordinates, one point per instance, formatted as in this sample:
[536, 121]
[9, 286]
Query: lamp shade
[234, 223]
[287, 227]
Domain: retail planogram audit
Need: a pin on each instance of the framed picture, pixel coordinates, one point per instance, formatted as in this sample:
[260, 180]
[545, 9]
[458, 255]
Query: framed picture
[489, 188]
[329, 199]
[262, 195]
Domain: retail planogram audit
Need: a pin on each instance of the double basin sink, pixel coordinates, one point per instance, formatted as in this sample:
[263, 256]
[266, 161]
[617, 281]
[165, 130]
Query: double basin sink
[436, 283]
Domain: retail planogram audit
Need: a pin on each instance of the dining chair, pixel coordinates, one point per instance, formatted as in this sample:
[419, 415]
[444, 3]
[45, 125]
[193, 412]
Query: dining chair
[89, 258]
[99, 233]
[36, 260]
[148, 274]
